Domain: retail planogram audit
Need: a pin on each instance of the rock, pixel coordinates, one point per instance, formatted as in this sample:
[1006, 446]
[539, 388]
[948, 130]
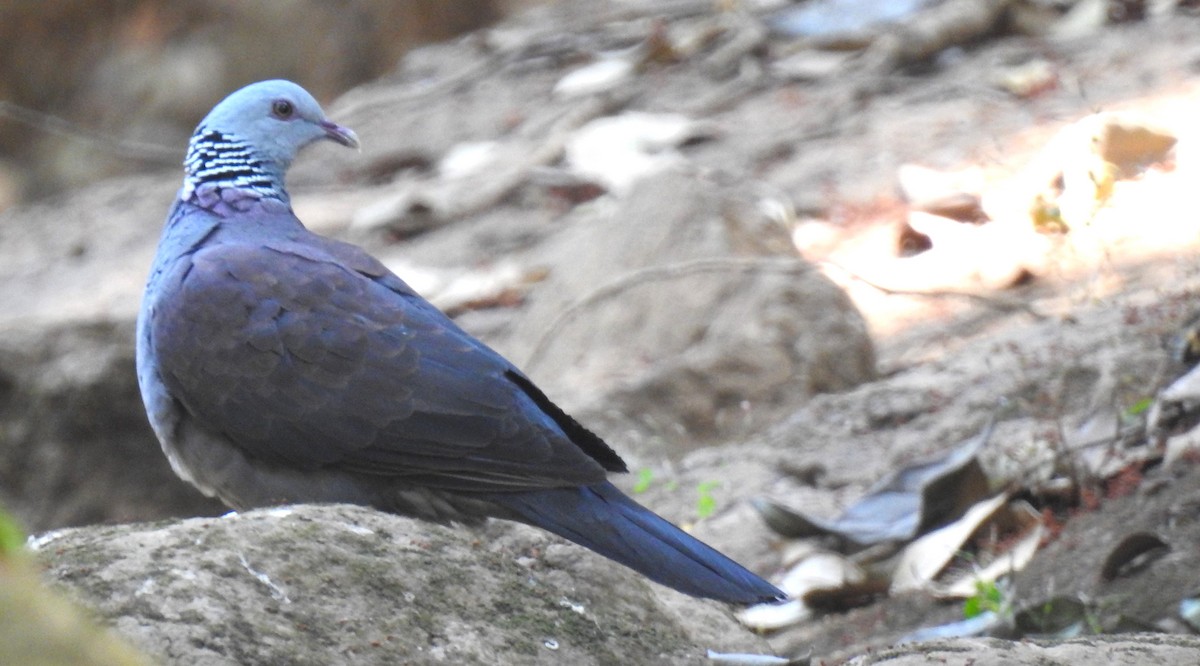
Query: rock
[705, 331]
[331, 584]
[1113, 650]
[75, 446]
[620, 150]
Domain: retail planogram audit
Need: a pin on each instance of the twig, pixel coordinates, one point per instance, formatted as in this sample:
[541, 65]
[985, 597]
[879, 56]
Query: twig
[651, 274]
[585, 17]
[150, 152]
[997, 302]
[409, 95]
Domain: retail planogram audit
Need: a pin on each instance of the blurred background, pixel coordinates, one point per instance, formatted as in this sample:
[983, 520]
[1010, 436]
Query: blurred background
[91, 90]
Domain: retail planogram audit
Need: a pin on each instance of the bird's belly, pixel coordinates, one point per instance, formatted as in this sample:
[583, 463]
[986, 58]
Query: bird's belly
[219, 468]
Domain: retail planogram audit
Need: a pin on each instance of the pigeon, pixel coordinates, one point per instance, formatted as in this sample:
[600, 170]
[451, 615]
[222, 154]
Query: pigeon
[278, 366]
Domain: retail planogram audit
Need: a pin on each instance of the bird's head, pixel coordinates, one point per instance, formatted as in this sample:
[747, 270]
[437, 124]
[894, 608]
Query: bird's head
[256, 132]
[277, 118]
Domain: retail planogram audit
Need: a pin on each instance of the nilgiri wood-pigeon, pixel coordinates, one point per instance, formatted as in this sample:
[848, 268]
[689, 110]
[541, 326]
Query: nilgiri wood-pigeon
[280, 366]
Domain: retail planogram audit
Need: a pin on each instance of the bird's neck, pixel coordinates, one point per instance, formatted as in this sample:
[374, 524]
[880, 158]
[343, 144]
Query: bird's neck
[223, 161]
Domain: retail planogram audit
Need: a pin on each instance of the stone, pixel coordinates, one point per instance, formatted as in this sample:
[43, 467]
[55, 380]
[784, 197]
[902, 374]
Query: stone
[311, 584]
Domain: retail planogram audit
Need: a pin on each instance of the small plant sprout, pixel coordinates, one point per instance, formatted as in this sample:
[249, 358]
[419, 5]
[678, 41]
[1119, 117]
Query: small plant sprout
[706, 504]
[988, 597]
[644, 476]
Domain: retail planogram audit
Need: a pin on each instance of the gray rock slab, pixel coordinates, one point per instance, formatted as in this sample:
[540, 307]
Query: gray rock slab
[1112, 650]
[340, 584]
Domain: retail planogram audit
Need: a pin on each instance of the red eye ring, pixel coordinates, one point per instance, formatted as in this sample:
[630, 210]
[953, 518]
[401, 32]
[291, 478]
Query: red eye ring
[282, 108]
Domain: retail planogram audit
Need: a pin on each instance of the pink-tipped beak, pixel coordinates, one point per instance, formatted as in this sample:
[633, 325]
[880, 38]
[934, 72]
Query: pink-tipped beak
[339, 134]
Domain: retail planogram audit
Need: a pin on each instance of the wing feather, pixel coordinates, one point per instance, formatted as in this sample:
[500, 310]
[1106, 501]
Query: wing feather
[309, 354]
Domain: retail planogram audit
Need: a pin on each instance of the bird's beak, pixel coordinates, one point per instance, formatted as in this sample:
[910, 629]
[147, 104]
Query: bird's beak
[339, 134]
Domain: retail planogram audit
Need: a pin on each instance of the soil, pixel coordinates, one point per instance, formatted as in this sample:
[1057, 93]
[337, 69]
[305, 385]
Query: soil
[1082, 336]
[1090, 335]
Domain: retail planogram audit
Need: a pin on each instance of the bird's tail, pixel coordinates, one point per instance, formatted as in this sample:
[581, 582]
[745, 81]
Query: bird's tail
[603, 519]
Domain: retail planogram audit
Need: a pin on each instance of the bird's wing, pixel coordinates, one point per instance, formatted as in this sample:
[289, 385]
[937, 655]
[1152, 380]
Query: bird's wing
[308, 353]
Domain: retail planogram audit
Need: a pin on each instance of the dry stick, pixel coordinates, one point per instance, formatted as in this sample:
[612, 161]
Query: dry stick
[408, 95]
[739, 265]
[651, 274]
[666, 9]
[50, 124]
[933, 30]
[997, 302]
[669, 10]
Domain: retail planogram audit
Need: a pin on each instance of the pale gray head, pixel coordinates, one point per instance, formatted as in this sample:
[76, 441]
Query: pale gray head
[248, 141]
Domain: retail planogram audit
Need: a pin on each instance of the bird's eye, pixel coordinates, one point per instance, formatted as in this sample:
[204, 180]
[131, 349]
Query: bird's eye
[282, 108]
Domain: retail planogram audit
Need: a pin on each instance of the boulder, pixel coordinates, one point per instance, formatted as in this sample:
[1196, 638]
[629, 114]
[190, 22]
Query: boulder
[313, 584]
[690, 321]
[75, 446]
[1111, 650]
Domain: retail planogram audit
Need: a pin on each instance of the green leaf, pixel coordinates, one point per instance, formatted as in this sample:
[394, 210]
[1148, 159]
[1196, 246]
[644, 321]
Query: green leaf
[645, 476]
[988, 597]
[706, 504]
[1139, 407]
[972, 607]
[12, 539]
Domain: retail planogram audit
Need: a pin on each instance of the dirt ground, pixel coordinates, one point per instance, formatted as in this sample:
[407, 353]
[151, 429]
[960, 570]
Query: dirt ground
[1089, 332]
[1048, 333]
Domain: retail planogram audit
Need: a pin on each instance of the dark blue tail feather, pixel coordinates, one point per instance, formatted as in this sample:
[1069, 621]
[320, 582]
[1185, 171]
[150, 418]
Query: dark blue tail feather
[603, 519]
